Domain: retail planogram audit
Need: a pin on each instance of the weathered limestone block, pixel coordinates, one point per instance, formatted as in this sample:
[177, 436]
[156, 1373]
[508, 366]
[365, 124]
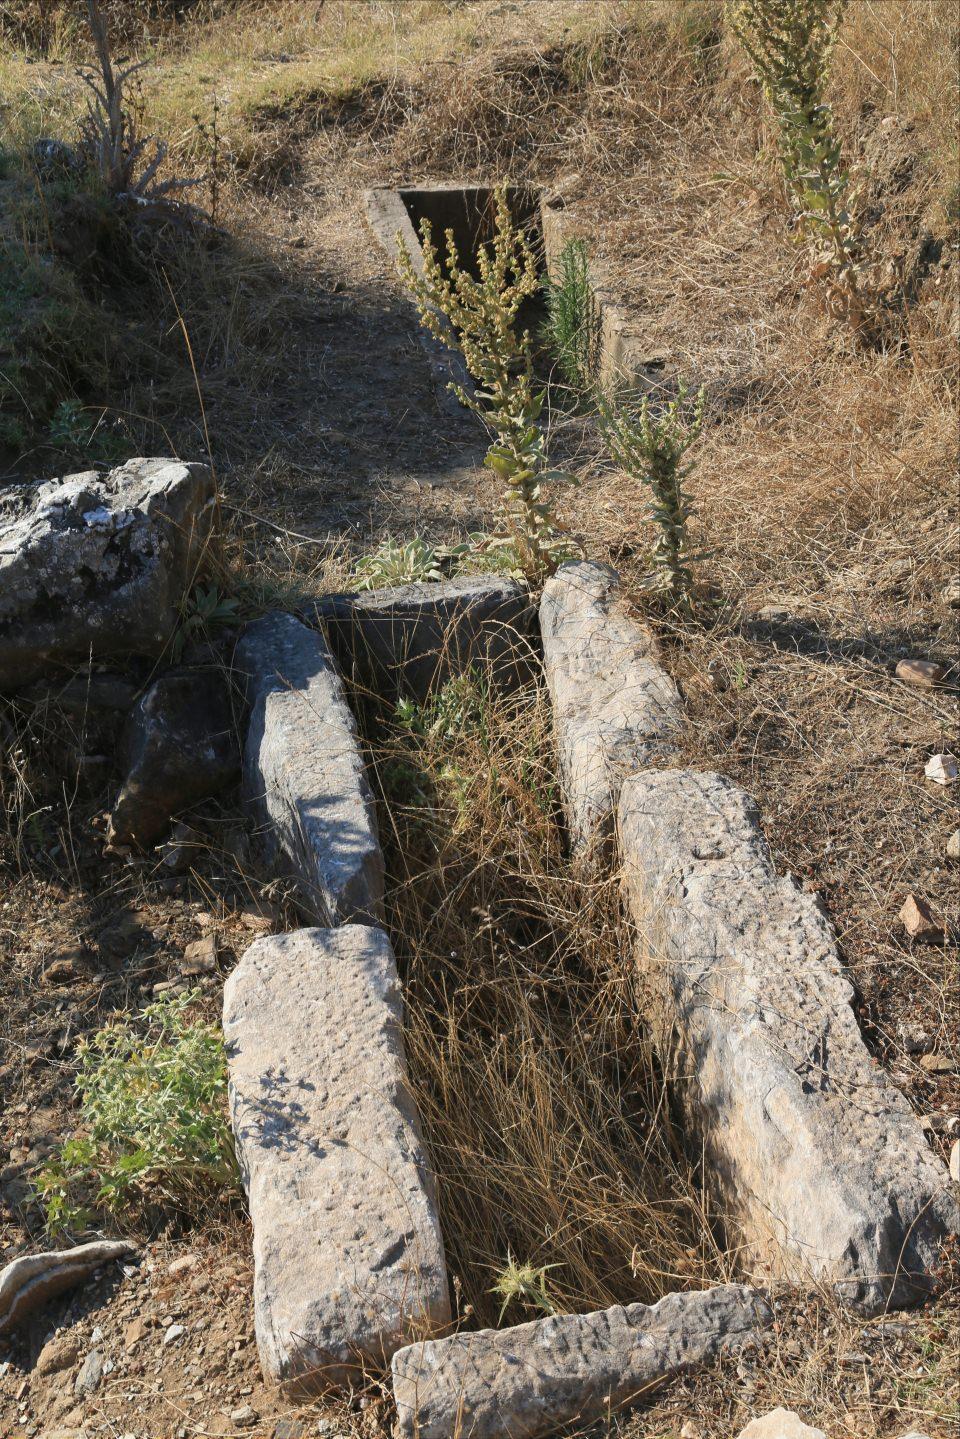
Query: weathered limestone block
[533, 1378]
[615, 707]
[816, 1158]
[98, 564]
[410, 639]
[348, 1256]
[303, 774]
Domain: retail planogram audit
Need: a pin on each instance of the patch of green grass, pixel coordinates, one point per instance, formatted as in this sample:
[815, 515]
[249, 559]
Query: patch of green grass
[153, 1121]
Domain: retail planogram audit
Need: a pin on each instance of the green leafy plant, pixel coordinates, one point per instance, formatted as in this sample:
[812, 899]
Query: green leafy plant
[458, 708]
[790, 43]
[651, 448]
[478, 317]
[573, 319]
[526, 1283]
[153, 1119]
[205, 611]
[398, 564]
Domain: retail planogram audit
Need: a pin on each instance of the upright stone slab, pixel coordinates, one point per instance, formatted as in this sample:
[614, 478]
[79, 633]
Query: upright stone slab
[409, 639]
[615, 707]
[303, 774]
[348, 1258]
[570, 1368]
[816, 1158]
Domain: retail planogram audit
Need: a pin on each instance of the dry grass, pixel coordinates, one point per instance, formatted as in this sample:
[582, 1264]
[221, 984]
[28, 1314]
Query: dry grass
[547, 1121]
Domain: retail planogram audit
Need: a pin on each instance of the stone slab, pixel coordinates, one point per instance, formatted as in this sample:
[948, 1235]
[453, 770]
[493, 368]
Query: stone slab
[348, 1257]
[817, 1161]
[615, 708]
[531, 1379]
[94, 565]
[410, 639]
[304, 777]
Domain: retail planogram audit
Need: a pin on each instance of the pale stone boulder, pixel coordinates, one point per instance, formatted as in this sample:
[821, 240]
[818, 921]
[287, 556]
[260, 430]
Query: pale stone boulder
[32, 1280]
[348, 1258]
[99, 564]
[615, 708]
[304, 777]
[570, 1368]
[780, 1424]
[816, 1159]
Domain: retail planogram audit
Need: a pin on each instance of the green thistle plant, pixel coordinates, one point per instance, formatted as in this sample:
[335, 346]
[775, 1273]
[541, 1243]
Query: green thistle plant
[790, 43]
[478, 317]
[526, 1283]
[651, 450]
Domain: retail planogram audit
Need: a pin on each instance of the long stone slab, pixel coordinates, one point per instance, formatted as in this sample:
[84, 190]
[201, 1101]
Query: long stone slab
[818, 1162]
[303, 775]
[615, 708]
[348, 1258]
[409, 639]
[570, 1368]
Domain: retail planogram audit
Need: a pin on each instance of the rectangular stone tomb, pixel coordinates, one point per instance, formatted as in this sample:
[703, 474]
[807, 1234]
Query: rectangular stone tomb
[819, 1165]
[529, 1380]
[410, 639]
[615, 708]
[303, 775]
[348, 1257]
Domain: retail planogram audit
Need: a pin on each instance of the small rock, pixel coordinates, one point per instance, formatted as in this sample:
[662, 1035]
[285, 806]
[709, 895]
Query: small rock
[244, 1416]
[177, 852]
[61, 1352]
[63, 970]
[27, 1283]
[91, 1373]
[175, 1332]
[780, 1424]
[925, 673]
[133, 1333]
[914, 1038]
[200, 957]
[939, 1123]
[917, 919]
[953, 845]
[951, 594]
[955, 1162]
[937, 1064]
[941, 768]
[690, 1430]
[182, 1265]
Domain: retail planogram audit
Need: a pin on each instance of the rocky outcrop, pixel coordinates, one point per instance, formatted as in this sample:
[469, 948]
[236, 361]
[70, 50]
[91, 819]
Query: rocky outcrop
[348, 1256]
[410, 639]
[181, 747]
[303, 774]
[98, 564]
[30, 1282]
[615, 707]
[570, 1368]
[816, 1159]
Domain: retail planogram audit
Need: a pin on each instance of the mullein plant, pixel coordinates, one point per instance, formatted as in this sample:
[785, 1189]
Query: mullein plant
[478, 316]
[790, 43]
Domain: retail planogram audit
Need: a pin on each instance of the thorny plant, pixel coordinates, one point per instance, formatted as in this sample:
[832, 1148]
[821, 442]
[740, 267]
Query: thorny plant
[651, 449]
[790, 43]
[109, 129]
[478, 317]
[526, 1283]
[153, 1119]
[573, 321]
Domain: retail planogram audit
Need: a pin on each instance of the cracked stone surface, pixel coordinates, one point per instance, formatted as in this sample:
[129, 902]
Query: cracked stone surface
[615, 708]
[409, 639]
[98, 564]
[303, 775]
[348, 1257]
[815, 1156]
[530, 1379]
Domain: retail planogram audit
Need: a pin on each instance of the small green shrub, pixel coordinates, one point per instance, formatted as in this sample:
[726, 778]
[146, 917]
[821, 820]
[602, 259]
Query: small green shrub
[478, 317]
[394, 563]
[573, 319]
[153, 1120]
[205, 611]
[790, 43]
[526, 1283]
[651, 449]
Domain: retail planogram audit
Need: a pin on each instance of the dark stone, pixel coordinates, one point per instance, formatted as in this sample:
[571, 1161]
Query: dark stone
[410, 639]
[181, 747]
